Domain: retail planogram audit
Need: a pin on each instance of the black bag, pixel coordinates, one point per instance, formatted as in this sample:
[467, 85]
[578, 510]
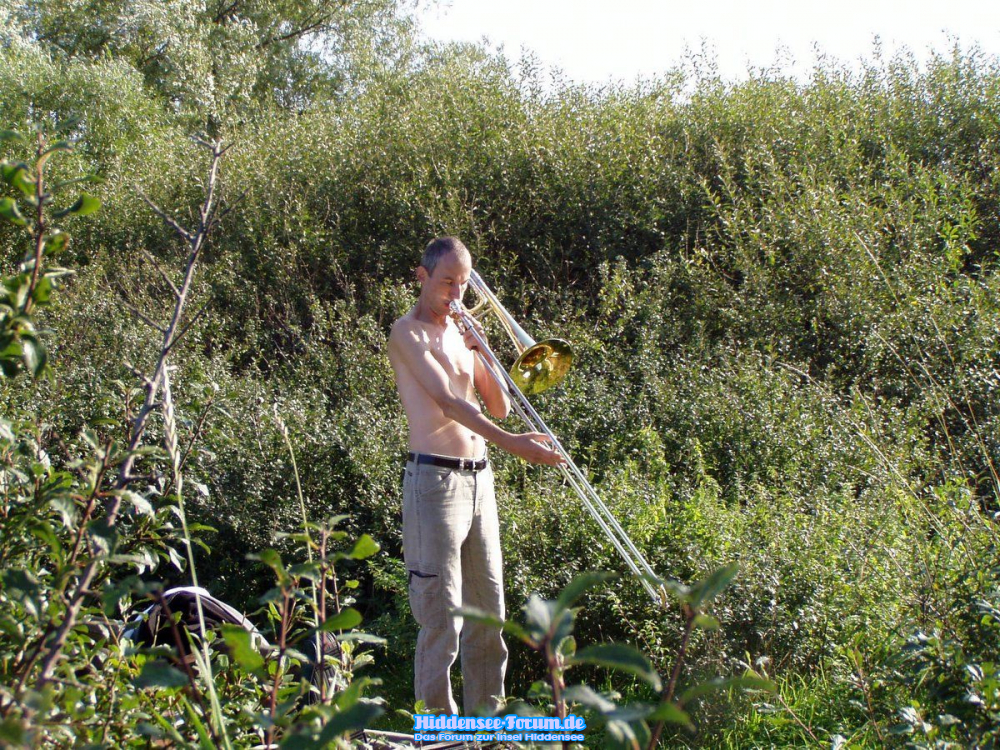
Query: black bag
[174, 616]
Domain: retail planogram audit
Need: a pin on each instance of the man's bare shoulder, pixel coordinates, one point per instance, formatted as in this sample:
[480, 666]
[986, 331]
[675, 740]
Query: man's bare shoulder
[404, 329]
[407, 334]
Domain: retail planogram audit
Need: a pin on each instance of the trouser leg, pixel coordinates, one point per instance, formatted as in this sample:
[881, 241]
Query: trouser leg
[484, 653]
[437, 513]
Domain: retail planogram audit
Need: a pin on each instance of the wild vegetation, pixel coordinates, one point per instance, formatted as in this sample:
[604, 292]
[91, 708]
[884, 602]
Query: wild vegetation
[784, 301]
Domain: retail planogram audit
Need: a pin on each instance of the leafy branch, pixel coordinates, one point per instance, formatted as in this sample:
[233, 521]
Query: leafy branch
[21, 349]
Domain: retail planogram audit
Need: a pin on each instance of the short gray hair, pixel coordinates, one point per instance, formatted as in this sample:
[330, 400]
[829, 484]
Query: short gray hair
[438, 248]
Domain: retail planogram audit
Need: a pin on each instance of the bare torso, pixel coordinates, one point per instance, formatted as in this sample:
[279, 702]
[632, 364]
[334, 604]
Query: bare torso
[430, 430]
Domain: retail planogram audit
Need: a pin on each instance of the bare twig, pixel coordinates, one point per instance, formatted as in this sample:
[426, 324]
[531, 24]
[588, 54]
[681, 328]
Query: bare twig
[229, 209]
[166, 278]
[184, 234]
[143, 317]
[196, 243]
[187, 327]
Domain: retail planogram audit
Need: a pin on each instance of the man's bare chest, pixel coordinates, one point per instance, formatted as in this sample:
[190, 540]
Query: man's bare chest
[451, 353]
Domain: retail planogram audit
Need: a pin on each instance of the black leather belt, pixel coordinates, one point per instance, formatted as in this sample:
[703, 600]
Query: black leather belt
[462, 464]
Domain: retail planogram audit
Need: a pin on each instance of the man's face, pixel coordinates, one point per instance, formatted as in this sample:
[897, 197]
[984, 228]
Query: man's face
[448, 282]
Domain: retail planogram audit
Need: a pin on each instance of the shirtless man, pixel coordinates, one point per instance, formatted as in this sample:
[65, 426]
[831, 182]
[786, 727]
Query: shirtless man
[451, 535]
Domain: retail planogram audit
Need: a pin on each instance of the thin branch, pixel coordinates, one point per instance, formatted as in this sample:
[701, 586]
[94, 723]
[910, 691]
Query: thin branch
[143, 317]
[187, 327]
[225, 13]
[229, 209]
[185, 234]
[293, 34]
[166, 278]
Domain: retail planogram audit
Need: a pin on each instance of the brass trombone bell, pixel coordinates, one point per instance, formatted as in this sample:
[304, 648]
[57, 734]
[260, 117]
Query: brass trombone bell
[540, 365]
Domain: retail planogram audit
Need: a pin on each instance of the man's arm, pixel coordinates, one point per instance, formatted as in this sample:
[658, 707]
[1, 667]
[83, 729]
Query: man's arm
[493, 395]
[416, 362]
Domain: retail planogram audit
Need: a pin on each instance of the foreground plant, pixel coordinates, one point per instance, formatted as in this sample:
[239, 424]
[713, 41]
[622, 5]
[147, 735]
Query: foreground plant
[32, 207]
[548, 630]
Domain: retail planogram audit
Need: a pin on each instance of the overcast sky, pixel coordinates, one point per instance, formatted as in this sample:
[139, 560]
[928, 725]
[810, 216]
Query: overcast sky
[601, 40]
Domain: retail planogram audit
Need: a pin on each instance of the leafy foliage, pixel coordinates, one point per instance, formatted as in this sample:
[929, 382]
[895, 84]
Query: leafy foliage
[784, 301]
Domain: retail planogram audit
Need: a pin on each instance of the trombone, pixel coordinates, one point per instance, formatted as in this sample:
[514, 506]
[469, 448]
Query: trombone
[539, 366]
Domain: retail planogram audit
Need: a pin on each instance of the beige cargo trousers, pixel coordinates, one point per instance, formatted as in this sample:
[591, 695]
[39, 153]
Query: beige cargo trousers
[451, 546]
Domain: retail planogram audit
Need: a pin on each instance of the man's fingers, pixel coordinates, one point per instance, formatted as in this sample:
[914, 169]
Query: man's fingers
[548, 455]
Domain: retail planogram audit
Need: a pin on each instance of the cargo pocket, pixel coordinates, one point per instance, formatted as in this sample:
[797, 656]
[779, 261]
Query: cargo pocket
[425, 598]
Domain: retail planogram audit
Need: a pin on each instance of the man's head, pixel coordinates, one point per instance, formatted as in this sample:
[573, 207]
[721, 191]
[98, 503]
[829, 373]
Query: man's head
[440, 247]
[444, 272]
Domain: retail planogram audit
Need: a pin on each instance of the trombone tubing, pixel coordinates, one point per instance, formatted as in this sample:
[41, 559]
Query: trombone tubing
[588, 496]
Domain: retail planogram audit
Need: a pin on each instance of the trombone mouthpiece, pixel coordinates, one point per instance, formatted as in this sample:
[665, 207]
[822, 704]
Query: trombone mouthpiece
[455, 306]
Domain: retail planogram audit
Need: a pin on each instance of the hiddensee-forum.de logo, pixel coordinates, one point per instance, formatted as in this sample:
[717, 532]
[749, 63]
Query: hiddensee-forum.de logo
[509, 728]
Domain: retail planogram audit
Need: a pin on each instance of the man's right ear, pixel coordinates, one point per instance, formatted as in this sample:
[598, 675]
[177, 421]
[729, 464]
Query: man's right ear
[421, 274]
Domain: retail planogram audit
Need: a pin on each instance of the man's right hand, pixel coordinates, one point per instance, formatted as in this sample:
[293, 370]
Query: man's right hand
[534, 447]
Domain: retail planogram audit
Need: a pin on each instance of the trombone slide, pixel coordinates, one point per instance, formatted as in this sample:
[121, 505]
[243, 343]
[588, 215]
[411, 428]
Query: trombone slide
[588, 496]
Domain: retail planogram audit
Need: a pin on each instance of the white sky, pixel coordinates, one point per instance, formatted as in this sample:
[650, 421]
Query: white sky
[601, 40]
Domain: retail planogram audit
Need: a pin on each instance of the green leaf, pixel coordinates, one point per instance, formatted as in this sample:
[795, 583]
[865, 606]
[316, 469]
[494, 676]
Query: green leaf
[357, 636]
[56, 242]
[10, 212]
[11, 135]
[142, 506]
[92, 179]
[17, 175]
[47, 153]
[58, 146]
[19, 584]
[345, 620]
[70, 123]
[241, 647]
[672, 714]
[620, 657]
[508, 626]
[626, 727]
[706, 622]
[705, 591]
[308, 570]
[85, 204]
[681, 592]
[11, 730]
[358, 716]
[113, 593]
[586, 696]
[159, 674]
[34, 355]
[745, 682]
[272, 559]
[103, 534]
[43, 291]
[580, 585]
[538, 615]
[364, 548]
[66, 508]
